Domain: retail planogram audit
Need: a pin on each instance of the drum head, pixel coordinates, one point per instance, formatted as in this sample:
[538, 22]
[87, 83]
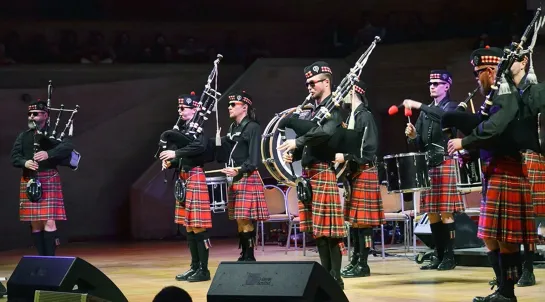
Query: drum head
[272, 158]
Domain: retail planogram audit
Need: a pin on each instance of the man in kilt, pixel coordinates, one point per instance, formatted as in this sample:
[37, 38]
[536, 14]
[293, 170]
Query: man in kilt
[42, 164]
[194, 211]
[364, 209]
[507, 213]
[443, 200]
[324, 216]
[532, 94]
[240, 150]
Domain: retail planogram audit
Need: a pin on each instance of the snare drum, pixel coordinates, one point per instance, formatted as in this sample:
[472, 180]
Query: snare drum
[407, 172]
[468, 177]
[217, 190]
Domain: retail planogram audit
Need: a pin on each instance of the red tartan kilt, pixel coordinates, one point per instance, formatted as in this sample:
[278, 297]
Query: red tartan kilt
[365, 204]
[51, 207]
[196, 213]
[507, 212]
[247, 199]
[443, 196]
[325, 216]
[535, 163]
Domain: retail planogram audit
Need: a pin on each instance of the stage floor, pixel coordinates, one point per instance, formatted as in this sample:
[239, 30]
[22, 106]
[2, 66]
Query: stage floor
[141, 270]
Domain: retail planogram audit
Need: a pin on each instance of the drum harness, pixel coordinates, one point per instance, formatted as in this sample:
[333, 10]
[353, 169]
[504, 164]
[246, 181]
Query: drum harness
[232, 135]
[434, 151]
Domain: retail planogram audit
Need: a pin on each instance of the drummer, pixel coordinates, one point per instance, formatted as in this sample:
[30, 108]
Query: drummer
[240, 150]
[443, 200]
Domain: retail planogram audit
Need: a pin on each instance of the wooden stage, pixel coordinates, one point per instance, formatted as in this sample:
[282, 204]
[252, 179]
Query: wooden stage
[141, 270]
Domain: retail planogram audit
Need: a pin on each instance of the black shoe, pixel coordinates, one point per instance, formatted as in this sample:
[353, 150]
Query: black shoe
[434, 264]
[527, 279]
[487, 298]
[189, 273]
[353, 262]
[357, 271]
[494, 297]
[200, 275]
[249, 255]
[448, 263]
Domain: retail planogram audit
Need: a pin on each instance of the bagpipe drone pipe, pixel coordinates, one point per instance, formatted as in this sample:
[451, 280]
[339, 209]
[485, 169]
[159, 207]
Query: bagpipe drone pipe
[54, 138]
[177, 138]
[302, 126]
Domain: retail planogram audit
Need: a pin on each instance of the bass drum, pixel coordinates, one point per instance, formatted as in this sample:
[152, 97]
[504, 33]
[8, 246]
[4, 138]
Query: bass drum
[272, 158]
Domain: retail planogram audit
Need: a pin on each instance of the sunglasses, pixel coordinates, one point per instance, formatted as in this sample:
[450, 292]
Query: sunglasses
[233, 104]
[435, 84]
[313, 83]
[477, 73]
[34, 113]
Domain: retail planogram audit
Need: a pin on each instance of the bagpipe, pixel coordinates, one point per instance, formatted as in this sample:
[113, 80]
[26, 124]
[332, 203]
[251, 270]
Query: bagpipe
[465, 121]
[72, 161]
[34, 186]
[452, 118]
[175, 138]
[300, 126]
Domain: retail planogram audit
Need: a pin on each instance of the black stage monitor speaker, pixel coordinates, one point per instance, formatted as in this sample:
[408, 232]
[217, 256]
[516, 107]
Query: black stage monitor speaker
[61, 274]
[466, 232]
[264, 281]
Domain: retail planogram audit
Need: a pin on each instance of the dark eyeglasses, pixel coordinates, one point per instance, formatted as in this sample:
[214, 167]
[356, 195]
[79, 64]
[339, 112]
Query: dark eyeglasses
[34, 113]
[435, 84]
[313, 83]
[477, 73]
[233, 104]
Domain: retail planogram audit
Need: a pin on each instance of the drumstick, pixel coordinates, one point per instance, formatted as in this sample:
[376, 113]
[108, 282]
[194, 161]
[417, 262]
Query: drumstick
[219, 170]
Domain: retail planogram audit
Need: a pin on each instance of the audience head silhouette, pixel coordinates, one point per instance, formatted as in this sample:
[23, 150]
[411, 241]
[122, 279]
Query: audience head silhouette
[172, 294]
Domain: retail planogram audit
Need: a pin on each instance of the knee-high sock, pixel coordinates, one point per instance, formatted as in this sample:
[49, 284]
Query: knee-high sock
[494, 259]
[449, 237]
[335, 255]
[438, 235]
[528, 257]
[322, 244]
[38, 239]
[192, 244]
[50, 243]
[510, 266]
[203, 245]
[365, 241]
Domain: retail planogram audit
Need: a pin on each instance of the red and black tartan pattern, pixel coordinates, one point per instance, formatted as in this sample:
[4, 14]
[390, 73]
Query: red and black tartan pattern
[443, 196]
[507, 212]
[196, 213]
[365, 204]
[51, 207]
[247, 199]
[535, 163]
[324, 217]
